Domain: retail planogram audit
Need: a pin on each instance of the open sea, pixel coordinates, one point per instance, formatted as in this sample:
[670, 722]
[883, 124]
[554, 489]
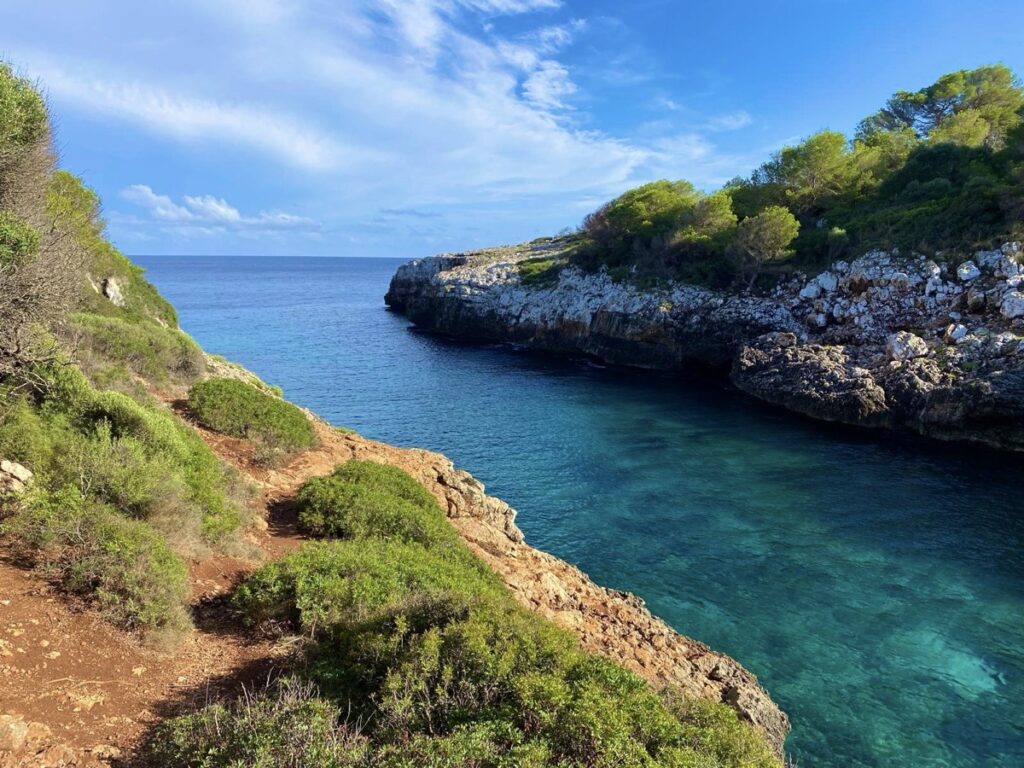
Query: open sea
[874, 583]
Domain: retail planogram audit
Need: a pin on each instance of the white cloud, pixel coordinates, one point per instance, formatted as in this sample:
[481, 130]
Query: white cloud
[549, 85]
[191, 118]
[730, 122]
[206, 214]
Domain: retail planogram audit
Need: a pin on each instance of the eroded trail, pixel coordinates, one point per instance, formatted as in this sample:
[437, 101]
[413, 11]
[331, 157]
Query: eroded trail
[90, 692]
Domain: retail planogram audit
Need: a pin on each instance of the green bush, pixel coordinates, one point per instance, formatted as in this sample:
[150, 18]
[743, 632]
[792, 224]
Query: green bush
[156, 353]
[23, 118]
[342, 584]
[239, 409]
[124, 566]
[286, 727]
[19, 241]
[362, 499]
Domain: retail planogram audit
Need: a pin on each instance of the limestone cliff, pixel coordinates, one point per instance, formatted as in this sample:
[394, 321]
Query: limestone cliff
[887, 340]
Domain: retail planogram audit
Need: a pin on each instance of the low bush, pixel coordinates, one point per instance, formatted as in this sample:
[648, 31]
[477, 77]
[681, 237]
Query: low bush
[123, 566]
[156, 353]
[287, 726]
[363, 499]
[239, 409]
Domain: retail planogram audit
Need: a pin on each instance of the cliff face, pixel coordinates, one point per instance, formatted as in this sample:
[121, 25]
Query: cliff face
[885, 340]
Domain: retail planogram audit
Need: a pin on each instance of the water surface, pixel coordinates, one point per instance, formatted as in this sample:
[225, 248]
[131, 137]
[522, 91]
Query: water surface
[874, 584]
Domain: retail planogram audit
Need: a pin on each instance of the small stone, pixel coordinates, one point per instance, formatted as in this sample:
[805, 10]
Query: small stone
[13, 732]
[956, 333]
[968, 271]
[904, 346]
[106, 752]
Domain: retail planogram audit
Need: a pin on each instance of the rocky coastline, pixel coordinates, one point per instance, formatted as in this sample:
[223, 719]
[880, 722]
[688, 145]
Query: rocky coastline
[899, 341]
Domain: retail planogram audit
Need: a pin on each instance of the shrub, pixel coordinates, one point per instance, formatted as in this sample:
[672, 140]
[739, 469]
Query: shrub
[285, 727]
[19, 241]
[343, 584]
[361, 499]
[124, 566]
[156, 353]
[241, 410]
[22, 111]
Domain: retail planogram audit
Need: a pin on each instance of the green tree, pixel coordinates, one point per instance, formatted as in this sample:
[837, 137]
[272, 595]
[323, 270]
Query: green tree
[992, 94]
[765, 238]
[642, 214]
[814, 172]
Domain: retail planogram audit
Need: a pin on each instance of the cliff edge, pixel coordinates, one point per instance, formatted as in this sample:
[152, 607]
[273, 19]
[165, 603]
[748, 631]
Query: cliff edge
[885, 340]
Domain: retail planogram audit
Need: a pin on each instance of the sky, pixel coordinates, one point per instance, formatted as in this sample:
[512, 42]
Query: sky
[411, 127]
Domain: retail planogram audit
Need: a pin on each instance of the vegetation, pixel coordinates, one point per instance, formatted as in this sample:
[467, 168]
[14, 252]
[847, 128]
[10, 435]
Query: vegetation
[241, 410]
[420, 645]
[938, 169]
[364, 499]
[539, 271]
[123, 491]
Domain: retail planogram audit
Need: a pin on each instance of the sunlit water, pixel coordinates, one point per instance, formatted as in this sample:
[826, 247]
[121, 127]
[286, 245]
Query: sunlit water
[874, 584]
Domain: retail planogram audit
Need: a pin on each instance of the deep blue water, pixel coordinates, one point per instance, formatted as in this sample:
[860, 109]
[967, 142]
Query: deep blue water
[874, 584]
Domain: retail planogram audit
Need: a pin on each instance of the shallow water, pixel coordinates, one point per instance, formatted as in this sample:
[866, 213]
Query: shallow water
[875, 584]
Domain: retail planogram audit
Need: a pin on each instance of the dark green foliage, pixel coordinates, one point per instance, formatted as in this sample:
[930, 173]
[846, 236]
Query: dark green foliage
[765, 238]
[362, 499]
[241, 410]
[286, 727]
[19, 241]
[23, 119]
[124, 566]
[156, 353]
[423, 645]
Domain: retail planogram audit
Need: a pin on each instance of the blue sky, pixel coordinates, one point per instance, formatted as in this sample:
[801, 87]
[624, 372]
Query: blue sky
[409, 127]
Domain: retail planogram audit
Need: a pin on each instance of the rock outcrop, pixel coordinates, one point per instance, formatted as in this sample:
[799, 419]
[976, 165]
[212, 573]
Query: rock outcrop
[887, 340]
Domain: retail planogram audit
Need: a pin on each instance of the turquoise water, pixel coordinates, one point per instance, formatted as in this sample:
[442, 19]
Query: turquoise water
[874, 584]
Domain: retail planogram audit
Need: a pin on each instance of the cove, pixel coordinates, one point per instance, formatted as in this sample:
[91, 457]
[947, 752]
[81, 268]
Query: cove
[875, 584]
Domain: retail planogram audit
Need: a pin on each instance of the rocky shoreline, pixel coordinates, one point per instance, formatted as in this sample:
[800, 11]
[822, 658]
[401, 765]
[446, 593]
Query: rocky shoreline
[887, 340]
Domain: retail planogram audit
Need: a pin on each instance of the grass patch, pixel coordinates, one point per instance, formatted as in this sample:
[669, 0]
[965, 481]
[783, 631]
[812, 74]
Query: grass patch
[155, 353]
[540, 271]
[239, 409]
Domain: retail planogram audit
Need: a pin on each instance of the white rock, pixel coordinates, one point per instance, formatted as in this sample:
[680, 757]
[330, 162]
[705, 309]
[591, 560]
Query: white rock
[1013, 305]
[113, 291]
[811, 291]
[906, 346]
[956, 333]
[968, 271]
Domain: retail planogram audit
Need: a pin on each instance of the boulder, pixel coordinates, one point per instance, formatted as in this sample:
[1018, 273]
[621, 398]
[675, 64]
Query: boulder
[904, 346]
[113, 290]
[14, 477]
[1013, 305]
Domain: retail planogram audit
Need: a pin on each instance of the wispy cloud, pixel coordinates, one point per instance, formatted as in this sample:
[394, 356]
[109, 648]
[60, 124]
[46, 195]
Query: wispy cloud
[210, 213]
[190, 118]
[730, 122]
